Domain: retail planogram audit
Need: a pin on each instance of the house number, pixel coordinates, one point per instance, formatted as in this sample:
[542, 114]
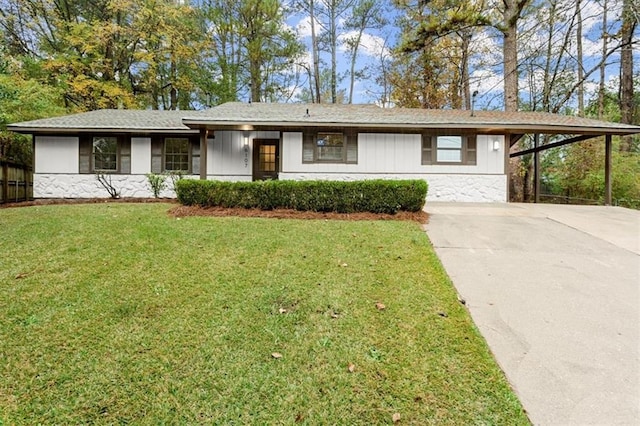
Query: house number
[246, 157]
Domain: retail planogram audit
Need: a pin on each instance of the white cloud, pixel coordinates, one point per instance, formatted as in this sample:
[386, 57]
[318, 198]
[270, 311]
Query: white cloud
[303, 27]
[591, 48]
[306, 59]
[592, 14]
[485, 81]
[370, 45]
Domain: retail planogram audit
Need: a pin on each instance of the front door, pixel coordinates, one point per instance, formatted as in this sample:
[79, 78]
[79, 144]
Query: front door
[265, 159]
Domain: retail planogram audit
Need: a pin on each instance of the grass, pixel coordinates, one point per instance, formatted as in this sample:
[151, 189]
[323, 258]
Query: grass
[116, 313]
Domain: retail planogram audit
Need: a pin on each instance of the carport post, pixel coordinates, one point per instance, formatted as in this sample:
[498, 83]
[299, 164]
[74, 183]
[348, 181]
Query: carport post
[203, 153]
[607, 170]
[536, 169]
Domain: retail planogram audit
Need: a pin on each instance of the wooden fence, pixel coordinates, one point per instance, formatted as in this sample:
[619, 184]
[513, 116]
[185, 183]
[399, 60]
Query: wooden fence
[16, 182]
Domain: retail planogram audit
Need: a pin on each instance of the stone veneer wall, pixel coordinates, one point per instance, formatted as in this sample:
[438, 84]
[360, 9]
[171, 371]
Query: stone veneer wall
[87, 186]
[465, 188]
[58, 185]
[442, 187]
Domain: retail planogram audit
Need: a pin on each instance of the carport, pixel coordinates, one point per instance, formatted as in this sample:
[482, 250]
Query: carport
[582, 135]
[555, 292]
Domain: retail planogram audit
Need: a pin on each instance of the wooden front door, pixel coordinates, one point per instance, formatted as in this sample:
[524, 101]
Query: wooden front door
[266, 159]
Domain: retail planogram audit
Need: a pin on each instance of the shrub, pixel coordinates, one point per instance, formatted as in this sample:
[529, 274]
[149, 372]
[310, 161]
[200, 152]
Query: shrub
[156, 183]
[375, 196]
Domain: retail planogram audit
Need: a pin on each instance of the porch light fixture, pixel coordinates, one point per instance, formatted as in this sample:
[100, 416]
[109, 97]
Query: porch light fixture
[246, 138]
[496, 144]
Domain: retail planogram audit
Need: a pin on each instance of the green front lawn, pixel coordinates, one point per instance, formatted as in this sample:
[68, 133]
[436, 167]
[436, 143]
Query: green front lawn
[113, 313]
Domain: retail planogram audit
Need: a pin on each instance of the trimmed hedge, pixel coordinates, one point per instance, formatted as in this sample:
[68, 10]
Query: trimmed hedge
[375, 196]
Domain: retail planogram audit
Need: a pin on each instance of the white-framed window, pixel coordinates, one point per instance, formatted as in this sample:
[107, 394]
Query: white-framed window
[330, 147]
[449, 149]
[176, 154]
[105, 154]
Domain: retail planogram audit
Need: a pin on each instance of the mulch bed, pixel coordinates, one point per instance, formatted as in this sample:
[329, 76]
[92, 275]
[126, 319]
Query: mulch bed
[56, 201]
[186, 211]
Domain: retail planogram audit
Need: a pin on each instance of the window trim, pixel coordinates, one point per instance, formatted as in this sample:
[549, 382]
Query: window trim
[349, 137]
[158, 149]
[429, 150]
[164, 155]
[93, 154]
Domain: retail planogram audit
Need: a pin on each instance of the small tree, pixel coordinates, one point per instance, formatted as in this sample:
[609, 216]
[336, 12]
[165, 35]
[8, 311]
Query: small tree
[105, 181]
[157, 183]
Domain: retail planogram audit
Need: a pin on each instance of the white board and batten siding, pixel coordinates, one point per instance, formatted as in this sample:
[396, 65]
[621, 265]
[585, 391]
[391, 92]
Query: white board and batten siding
[380, 156]
[399, 156]
[57, 154]
[140, 155]
[57, 171]
[229, 158]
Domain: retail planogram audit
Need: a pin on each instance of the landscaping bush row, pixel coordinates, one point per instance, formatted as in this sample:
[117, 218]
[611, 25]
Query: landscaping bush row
[375, 196]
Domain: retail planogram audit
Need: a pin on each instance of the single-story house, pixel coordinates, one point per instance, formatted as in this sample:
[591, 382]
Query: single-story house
[463, 155]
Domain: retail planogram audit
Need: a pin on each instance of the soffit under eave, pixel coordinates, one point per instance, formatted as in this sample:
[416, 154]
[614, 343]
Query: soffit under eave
[489, 128]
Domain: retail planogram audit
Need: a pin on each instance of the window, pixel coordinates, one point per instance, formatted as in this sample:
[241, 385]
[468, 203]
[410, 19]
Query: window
[105, 154]
[176, 154]
[330, 147]
[449, 149]
[267, 160]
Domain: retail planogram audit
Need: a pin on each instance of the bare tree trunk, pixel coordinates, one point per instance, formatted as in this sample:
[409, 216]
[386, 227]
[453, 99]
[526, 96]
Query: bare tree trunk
[512, 10]
[314, 50]
[466, 89]
[333, 40]
[605, 39]
[546, 90]
[580, 58]
[629, 22]
[352, 71]
[173, 92]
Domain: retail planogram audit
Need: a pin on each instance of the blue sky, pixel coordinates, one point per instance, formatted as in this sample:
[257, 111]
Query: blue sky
[486, 66]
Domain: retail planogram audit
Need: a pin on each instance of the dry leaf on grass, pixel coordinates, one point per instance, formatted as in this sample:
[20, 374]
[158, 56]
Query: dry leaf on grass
[21, 275]
[351, 368]
[395, 417]
[380, 306]
[282, 310]
[276, 355]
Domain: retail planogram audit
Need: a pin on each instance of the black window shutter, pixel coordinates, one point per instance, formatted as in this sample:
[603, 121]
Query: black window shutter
[427, 149]
[85, 153]
[195, 156]
[471, 150]
[125, 155]
[308, 148]
[156, 154]
[352, 147]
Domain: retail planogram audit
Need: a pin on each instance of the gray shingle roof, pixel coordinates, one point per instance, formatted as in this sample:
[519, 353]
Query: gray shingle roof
[109, 120]
[239, 115]
[236, 114]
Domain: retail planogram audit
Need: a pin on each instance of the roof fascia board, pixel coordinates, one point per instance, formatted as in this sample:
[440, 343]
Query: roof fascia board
[58, 130]
[491, 128]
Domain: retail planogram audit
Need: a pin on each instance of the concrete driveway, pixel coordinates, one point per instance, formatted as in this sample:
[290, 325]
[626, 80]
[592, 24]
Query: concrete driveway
[555, 291]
